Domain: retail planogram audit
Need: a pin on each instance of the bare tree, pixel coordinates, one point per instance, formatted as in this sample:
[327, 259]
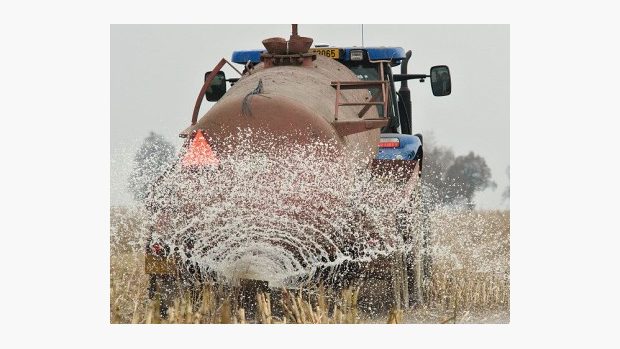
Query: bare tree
[467, 175]
[153, 157]
[506, 193]
[449, 179]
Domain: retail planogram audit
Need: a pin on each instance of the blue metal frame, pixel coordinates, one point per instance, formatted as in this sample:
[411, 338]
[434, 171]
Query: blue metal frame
[408, 149]
[396, 54]
[242, 57]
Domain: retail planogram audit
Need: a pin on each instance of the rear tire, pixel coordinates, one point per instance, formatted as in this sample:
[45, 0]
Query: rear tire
[418, 256]
[162, 289]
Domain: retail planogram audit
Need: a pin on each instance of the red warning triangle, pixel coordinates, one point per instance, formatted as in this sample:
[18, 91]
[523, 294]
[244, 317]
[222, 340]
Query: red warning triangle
[199, 152]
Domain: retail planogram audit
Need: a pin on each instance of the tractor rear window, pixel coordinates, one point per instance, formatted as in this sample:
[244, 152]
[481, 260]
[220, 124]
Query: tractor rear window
[368, 72]
[365, 72]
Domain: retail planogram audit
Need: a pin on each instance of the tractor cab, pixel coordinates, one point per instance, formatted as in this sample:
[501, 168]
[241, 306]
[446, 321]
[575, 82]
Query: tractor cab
[368, 64]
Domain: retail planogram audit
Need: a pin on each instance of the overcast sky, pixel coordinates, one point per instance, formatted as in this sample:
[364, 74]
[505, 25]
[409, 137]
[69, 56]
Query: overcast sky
[157, 72]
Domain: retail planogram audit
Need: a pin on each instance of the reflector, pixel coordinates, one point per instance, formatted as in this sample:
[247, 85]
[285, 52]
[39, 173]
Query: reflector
[199, 152]
[389, 142]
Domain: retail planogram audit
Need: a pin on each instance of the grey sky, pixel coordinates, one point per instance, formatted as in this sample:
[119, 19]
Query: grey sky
[157, 71]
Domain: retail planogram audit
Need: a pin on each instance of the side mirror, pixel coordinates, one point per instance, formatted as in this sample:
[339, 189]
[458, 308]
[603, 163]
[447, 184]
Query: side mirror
[440, 80]
[217, 88]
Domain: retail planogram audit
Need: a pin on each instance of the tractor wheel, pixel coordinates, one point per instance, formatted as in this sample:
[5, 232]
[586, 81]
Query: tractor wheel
[400, 286]
[162, 289]
[427, 257]
[418, 257]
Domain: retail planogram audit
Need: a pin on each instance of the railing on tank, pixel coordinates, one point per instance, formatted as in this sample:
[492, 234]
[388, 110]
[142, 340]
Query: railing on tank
[363, 84]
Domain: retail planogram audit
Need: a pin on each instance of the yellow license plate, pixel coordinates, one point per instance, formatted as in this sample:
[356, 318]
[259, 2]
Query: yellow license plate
[327, 52]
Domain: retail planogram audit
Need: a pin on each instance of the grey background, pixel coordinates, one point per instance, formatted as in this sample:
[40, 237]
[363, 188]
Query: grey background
[157, 70]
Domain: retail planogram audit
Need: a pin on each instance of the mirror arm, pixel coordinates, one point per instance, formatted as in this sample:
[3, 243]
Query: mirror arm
[404, 77]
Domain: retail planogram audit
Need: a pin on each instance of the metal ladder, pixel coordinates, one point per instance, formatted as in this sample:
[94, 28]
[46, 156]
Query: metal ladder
[363, 84]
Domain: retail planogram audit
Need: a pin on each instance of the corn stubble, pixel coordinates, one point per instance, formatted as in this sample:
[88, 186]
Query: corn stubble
[470, 283]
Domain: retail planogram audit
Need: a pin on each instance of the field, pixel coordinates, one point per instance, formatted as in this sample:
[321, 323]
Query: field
[470, 281]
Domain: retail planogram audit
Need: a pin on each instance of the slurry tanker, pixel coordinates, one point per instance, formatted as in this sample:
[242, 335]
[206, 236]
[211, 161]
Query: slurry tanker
[341, 96]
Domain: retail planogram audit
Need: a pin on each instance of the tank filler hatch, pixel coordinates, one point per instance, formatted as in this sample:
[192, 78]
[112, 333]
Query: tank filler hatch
[288, 52]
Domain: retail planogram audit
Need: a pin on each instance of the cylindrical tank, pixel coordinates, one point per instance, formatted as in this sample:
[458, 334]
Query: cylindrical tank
[296, 101]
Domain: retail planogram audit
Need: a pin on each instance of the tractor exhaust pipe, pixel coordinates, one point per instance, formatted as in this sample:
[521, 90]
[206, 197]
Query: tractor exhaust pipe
[404, 107]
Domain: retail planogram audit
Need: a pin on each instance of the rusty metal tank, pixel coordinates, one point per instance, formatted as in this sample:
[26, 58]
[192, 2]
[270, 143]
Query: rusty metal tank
[305, 98]
[293, 95]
